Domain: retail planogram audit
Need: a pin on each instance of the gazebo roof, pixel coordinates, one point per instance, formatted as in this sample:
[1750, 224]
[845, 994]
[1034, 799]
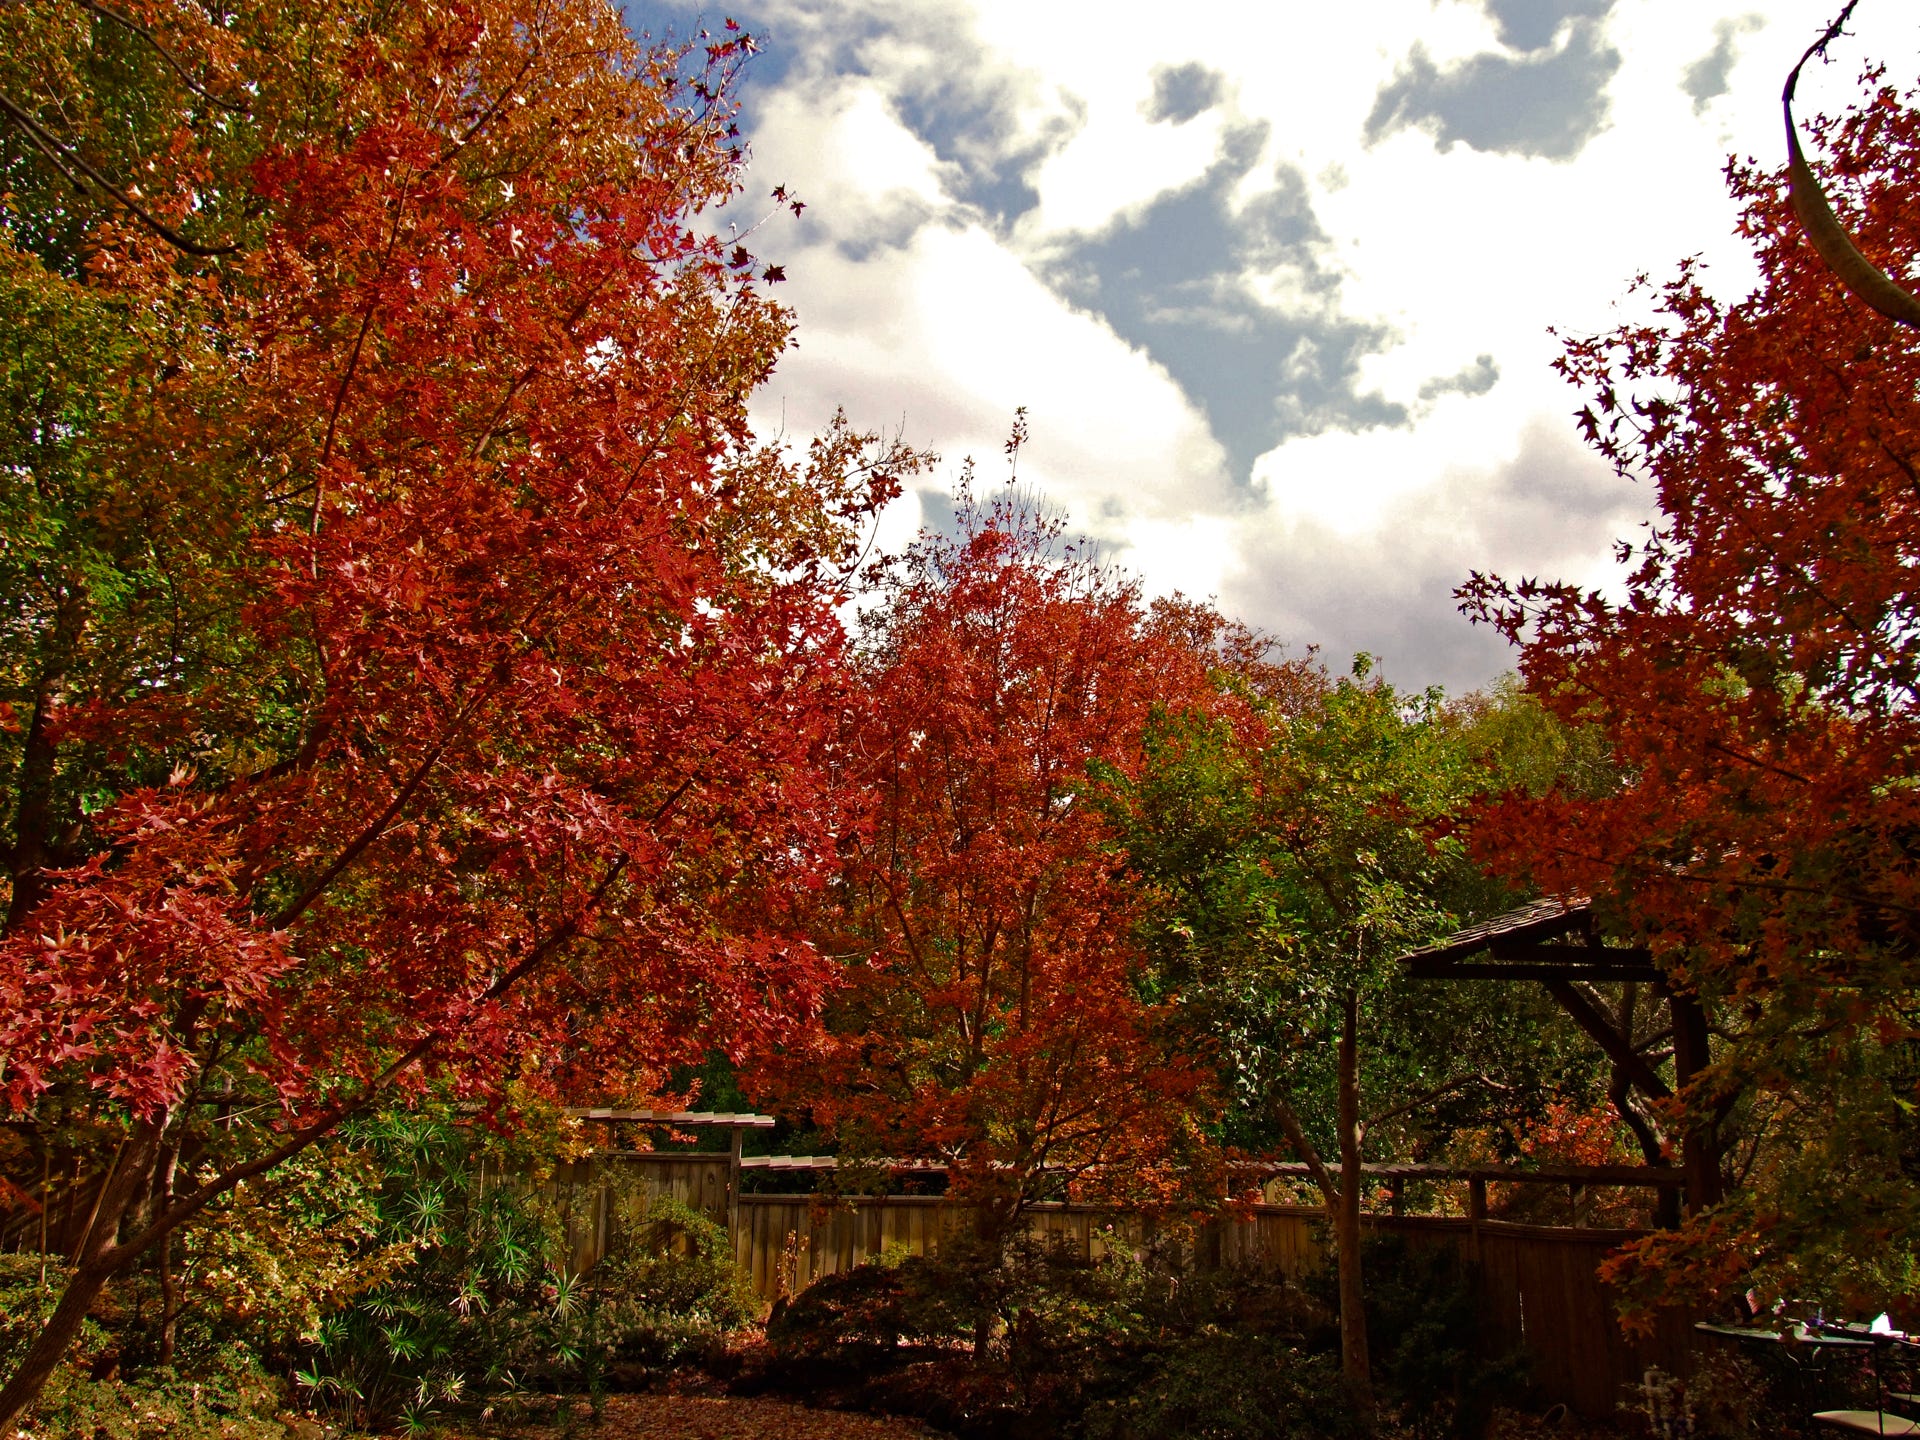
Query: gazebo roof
[1552, 939]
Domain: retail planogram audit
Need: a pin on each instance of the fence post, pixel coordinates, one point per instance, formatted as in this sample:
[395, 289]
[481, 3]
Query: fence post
[1476, 1209]
[733, 1183]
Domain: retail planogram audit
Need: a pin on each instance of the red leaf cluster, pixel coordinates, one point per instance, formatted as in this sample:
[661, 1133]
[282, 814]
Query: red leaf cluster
[1758, 686]
[993, 1017]
[514, 757]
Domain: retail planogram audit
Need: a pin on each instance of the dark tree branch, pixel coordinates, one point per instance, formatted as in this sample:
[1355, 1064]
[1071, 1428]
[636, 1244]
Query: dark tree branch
[1864, 280]
[67, 162]
[1296, 1134]
[165, 54]
[378, 826]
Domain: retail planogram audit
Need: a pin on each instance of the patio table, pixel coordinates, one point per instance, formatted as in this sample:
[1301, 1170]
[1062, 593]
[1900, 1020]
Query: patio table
[1795, 1335]
[1792, 1339]
[1868, 1422]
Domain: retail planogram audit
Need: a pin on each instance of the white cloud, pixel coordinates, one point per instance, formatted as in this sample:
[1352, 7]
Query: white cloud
[953, 333]
[947, 147]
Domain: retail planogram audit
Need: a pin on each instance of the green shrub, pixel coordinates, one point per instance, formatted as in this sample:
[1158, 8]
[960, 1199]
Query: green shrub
[25, 1304]
[1031, 1338]
[1225, 1385]
[667, 1291]
[487, 1313]
[226, 1397]
[1426, 1340]
[856, 1320]
[221, 1391]
[473, 1309]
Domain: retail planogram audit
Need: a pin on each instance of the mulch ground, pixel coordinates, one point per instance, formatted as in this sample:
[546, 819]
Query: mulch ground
[717, 1417]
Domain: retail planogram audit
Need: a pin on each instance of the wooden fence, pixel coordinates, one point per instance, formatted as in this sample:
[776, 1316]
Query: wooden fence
[1536, 1285]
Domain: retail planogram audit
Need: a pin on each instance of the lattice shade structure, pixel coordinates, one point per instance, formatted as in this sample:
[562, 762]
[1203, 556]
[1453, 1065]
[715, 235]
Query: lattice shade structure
[680, 1119]
[1556, 942]
[736, 1124]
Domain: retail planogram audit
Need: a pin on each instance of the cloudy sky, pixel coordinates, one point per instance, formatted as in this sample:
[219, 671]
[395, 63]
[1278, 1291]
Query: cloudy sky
[1274, 281]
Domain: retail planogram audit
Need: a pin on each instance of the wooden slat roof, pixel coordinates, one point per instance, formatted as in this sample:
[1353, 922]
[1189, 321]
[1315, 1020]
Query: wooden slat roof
[1550, 940]
[689, 1118]
[832, 1162]
[1651, 1175]
[1539, 921]
[1504, 1174]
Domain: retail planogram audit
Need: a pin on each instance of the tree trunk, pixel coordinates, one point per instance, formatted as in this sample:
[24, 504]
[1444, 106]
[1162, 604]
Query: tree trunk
[1699, 1156]
[94, 1264]
[169, 1295]
[1355, 1365]
[39, 754]
[1342, 1197]
[169, 1301]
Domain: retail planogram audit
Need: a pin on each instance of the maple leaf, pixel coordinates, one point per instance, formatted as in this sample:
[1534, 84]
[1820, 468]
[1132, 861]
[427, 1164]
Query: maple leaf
[774, 274]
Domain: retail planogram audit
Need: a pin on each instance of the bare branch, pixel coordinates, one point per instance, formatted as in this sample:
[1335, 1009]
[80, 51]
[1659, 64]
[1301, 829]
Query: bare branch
[1864, 280]
[1296, 1135]
[1426, 1099]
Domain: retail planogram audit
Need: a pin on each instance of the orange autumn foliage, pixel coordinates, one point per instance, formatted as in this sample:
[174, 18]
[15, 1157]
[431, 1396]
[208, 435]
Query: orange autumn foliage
[1759, 685]
[992, 1017]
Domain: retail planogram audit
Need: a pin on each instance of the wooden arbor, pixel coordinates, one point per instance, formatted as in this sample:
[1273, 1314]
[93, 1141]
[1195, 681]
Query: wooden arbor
[1557, 944]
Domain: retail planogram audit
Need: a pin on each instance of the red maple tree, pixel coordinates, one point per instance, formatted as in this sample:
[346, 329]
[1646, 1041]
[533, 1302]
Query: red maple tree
[1758, 685]
[473, 725]
[993, 1017]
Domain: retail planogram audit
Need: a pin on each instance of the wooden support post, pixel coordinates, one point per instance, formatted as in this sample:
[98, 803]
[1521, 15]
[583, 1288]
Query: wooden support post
[1619, 1047]
[1666, 1207]
[1209, 1246]
[1476, 1212]
[1690, 1057]
[1397, 1194]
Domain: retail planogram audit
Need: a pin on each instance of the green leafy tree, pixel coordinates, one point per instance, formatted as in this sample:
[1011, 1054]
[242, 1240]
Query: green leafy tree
[1296, 857]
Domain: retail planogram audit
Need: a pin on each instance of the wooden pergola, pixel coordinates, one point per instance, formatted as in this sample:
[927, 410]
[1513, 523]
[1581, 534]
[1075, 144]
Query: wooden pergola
[1557, 944]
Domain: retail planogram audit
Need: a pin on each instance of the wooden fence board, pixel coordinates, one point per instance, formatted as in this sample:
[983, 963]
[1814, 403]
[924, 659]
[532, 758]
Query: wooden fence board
[1536, 1285]
[1539, 1291]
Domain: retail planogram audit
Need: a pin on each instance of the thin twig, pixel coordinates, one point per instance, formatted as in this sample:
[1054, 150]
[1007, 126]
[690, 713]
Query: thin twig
[165, 54]
[66, 162]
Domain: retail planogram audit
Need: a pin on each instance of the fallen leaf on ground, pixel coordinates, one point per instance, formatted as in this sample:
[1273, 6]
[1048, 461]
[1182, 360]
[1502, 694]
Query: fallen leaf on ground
[722, 1417]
